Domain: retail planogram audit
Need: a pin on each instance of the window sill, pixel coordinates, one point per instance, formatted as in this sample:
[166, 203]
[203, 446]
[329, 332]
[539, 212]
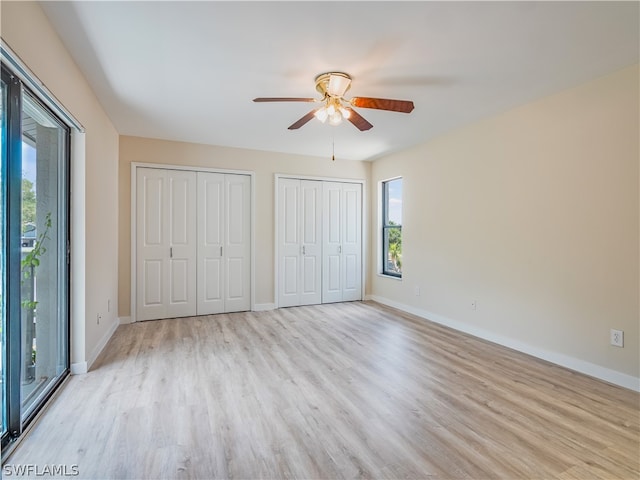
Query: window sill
[391, 277]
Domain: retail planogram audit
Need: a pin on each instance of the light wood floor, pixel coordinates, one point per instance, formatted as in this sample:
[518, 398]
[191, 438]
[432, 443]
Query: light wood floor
[331, 391]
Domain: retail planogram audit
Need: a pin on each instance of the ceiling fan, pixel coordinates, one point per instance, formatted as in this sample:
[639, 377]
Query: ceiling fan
[335, 108]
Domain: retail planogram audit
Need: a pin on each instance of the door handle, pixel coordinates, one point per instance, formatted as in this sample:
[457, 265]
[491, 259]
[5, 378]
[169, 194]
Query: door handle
[170, 252]
[303, 250]
[339, 248]
[220, 250]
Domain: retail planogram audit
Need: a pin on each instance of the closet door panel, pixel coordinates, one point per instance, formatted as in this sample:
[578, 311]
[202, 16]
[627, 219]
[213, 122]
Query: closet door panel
[237, 248]
[351, 242]
[332, 237]
[153, 282]
[181, 300]
[211, 271]
[152, 244]
[179, 275]
[289, 242]
[311, 239]
[236, 279]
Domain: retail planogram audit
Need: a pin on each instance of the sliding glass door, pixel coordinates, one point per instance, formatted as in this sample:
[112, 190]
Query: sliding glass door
[35, 254]
[3, 227]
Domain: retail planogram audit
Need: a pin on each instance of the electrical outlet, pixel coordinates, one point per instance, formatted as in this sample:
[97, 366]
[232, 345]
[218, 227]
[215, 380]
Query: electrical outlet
[617, 338]
[474, 304]
[417, 290]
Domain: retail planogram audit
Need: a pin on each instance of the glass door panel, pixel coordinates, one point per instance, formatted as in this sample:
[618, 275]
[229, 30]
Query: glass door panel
[34, 255]
[43, 253]
[3, 310]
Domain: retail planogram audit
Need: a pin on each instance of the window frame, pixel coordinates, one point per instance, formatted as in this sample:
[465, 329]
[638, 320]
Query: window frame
[17, 415]
[385, 228]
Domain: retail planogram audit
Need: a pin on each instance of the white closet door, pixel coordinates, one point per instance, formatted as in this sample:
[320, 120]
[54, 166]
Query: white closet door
[181, 301]
[152, 243]
[332, 276]
[342, 233]
[289, 242]
[165, 245]
[311, 238]
[237, 247]
[211, 222]
[351, 242]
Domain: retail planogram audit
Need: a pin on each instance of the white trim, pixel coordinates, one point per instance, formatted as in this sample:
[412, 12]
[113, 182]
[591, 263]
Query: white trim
[363, 220]
[264, 307]
[97, 350]
[187, 168]
[79, 368]
[276, 251]
[253, 240]
[133, 182]
[319, 179]
[78, 239]
[124, 320]
[364, 237]
[391, 277]
[572, 363]
[28, 78]
[377, 242]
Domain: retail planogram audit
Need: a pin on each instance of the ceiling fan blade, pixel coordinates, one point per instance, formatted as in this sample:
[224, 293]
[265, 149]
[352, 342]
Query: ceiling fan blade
[303, 120]
[404, 106]
[283, 99]
[358, 120]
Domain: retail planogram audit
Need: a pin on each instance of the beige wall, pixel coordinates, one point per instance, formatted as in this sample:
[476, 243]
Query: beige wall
[264, 164]
[534, 214]
[29, 34]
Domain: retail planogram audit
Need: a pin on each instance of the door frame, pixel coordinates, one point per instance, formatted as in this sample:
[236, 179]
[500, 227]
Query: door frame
[363, 226]
[133, 209]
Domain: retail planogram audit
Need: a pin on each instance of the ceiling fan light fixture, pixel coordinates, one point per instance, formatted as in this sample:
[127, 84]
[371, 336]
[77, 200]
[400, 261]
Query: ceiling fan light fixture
[344, 112]
[338, 84]
[322, 114]
[335, 119]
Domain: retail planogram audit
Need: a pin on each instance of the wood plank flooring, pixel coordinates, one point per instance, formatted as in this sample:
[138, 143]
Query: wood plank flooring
[352, 390]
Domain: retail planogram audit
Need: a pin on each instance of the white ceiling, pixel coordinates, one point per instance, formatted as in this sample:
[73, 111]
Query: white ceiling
[188, 70]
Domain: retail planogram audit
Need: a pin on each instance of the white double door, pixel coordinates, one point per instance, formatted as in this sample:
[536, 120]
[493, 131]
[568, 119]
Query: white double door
[319, 242]
[300, 237]
[193, 244]
[342, 242]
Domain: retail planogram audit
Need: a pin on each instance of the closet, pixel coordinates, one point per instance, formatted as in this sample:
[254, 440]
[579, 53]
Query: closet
[224, 244]
[342, 242]
[192, 243]
[319, 242]
[300, 234]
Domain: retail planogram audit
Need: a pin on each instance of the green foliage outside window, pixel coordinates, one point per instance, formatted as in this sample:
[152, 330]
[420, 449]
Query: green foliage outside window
[395, 247]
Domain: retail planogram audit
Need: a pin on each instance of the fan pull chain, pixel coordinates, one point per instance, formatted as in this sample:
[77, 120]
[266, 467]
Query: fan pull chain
[333, 149]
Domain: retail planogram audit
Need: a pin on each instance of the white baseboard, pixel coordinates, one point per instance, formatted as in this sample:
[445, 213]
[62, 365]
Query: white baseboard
[102, 343]
[124, 320]
[79, 368]
[572, 363]
[263, 307]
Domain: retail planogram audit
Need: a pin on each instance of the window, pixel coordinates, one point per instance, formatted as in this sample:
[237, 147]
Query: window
[392, 227]
[34, 280]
